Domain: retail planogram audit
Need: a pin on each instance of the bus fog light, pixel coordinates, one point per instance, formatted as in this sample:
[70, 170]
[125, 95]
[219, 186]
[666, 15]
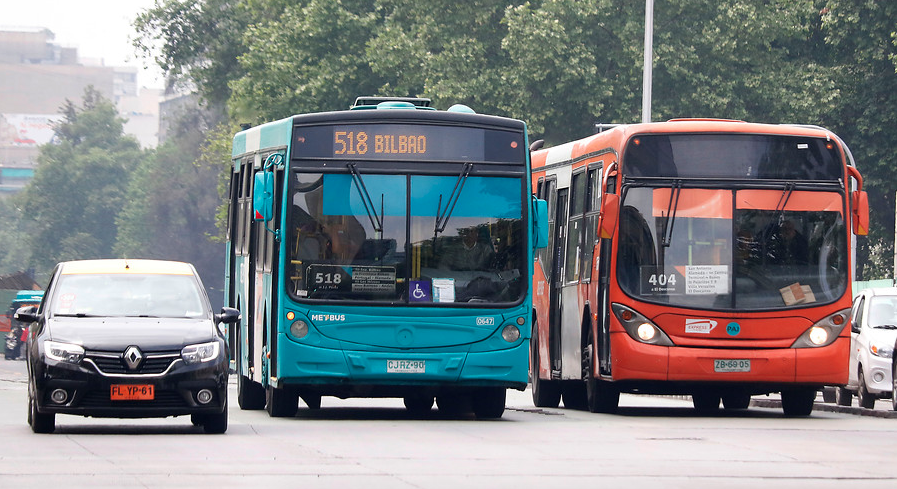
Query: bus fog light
[818, 335]
[59, 396]
[299, 329]
[510, 333]
[646, 332]
[204, 396]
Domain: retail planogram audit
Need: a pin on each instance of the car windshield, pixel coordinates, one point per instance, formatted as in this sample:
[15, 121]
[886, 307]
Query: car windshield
[133, 295]
[883, 312]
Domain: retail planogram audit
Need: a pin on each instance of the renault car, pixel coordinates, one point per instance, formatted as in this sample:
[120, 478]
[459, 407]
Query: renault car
[126, 339]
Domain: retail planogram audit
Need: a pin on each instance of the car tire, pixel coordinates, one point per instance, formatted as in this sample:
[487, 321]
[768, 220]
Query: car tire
[864, 398]
[894, 386]
[215, 424]
[843, 397]
[40, 423]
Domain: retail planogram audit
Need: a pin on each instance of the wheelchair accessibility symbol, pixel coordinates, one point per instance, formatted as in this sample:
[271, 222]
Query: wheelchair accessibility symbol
[420, 291]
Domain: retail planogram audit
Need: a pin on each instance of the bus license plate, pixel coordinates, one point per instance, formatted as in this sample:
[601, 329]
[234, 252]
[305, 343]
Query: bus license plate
[729, 365]
[132, 392]
[406, 366]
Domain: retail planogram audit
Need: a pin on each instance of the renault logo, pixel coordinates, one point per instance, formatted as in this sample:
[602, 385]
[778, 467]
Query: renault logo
[133, 357]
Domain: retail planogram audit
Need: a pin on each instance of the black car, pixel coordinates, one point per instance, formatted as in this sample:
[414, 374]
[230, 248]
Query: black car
[126, 339]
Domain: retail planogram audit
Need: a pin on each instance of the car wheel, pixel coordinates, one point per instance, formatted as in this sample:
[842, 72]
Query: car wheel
[546, 393]
[798, 402]
[215, 424]
[865, 399]
[894, 386]
[843, 397]
[197, 419]
[40, 423]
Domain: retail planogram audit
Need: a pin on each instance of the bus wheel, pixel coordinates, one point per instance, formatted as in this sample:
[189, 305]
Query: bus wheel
[419, 404]
[545, 392]
[706, 402]
[843, 396]
[453, 403]
[281, 402]
[574, 395]
[250, 395]
[738, 400]
[601, 396]
[798, 402]
[489, 402]
[313, 401]
[828, 394]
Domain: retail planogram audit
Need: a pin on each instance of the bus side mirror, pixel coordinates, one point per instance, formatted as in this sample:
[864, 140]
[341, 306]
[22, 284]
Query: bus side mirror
[262, 196]
[610, 209]
[860, 206]
[540, 223]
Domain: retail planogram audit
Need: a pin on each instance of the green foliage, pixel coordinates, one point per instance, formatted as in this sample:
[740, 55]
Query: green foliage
[79, 185]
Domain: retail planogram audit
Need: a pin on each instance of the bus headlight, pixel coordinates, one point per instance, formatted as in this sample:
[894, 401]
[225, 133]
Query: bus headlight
[824, 332]
[510, 333]
[299, 329]
[639, 327]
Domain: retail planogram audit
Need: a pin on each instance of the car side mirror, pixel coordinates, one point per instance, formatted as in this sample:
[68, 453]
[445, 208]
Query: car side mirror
[228, 315]
[854, 327]
[27, 314]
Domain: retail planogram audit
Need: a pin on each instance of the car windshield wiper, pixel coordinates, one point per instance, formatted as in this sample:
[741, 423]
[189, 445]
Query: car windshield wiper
[885, 326]
[78, 315]
[670, 218]
[376, 221]
[443, 215]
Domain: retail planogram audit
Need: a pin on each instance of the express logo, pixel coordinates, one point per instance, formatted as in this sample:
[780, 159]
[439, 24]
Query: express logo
[328, 317]
[702, 326]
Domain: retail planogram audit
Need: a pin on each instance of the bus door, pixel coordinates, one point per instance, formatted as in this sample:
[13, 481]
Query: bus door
[556, 280]
[571, 273]
[602, 294]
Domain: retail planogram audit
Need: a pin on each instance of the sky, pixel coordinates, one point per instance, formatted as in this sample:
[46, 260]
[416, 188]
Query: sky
[100, 29]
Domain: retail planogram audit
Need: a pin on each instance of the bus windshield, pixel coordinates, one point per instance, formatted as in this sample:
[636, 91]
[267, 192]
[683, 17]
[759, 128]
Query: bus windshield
[413, 239]
[724, 249]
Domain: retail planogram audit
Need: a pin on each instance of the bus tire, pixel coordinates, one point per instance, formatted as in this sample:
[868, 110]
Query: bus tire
[737, 400]
[313, 401]
[705, 401]
[281, 402]
[250, 394]
[546, 393]
[419, 404]
[601, 396]
[574, 395]
[489, 402]
[798, 402]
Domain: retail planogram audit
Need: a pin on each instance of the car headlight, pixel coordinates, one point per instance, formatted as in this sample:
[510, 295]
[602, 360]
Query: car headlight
[204, 352]
[63, 352]
[881, 350]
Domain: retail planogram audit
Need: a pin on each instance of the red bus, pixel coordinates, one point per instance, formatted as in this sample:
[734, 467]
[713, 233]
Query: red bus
[709, 258]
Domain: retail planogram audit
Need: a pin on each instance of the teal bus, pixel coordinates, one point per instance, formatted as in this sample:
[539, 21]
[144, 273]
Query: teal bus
[382, 251]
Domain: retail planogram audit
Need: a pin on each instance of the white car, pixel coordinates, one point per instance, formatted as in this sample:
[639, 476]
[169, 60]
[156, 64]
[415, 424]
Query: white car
[873, 326]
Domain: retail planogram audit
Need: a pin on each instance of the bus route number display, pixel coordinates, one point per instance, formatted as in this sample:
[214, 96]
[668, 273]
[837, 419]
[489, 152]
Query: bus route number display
[351, 279]
[360, 143]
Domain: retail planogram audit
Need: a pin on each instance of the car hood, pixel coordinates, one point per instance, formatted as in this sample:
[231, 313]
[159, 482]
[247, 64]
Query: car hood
[150, 334]
[885, 337]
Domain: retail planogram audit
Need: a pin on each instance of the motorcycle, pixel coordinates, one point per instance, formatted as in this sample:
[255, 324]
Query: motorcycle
[15, 338]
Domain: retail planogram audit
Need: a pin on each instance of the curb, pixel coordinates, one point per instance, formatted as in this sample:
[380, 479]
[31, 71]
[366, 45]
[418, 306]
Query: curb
[831, 408]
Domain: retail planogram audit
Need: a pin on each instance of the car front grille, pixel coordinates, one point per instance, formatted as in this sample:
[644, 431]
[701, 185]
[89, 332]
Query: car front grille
[112, 363]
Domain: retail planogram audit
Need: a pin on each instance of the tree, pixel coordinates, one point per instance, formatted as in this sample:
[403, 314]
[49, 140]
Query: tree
[79, 184]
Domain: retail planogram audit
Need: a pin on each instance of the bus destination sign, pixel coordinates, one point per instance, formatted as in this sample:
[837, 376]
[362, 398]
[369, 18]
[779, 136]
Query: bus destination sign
[419, 142]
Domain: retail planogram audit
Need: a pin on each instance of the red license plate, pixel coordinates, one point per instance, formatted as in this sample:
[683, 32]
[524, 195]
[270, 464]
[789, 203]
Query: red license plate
[132, 392]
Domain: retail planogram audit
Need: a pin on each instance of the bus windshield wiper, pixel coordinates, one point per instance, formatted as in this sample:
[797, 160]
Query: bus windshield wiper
[670, 217]
[376, 221]
[783, 201]
[443, 215]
